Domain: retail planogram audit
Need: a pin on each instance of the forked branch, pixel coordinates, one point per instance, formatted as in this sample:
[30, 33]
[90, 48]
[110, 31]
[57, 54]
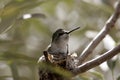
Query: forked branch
[97, 61]
[107, 27]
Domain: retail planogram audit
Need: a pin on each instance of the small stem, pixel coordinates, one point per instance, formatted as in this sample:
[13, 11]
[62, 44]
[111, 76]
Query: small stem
[46, 56]
[112, 71]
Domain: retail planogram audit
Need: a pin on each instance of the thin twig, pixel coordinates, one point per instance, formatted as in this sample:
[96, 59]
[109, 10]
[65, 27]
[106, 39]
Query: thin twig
[97, 61]
[46, 56]
[107, 27]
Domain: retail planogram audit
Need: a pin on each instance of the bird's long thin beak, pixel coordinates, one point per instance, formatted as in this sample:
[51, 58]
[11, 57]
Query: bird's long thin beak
[72, 30]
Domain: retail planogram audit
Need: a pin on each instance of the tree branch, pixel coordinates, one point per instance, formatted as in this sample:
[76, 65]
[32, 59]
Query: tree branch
[70, 63]
[97, 61]
[107, 27]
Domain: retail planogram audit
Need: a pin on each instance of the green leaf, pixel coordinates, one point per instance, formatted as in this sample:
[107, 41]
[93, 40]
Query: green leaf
[97, 74]
[111, 63]
[118, 78]
[12, 10]
[15, 56]
[14, 71]
[3, 77]
[54, 69]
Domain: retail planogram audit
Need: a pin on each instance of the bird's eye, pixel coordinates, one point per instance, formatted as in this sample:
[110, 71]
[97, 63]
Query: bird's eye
[61, 34]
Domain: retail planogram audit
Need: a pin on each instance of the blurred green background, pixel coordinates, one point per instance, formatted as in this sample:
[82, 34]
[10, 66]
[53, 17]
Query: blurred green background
[26, 27]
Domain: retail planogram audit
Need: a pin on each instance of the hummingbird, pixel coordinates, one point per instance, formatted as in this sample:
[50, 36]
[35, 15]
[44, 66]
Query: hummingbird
[58, 49]
[57, 54]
